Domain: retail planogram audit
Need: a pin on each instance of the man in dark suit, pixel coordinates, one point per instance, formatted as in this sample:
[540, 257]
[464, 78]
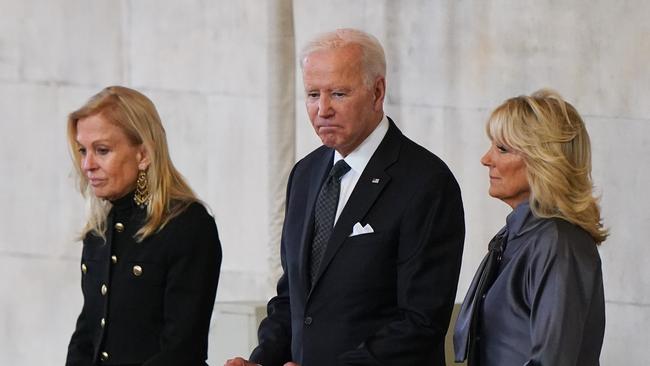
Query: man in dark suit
[373, 232]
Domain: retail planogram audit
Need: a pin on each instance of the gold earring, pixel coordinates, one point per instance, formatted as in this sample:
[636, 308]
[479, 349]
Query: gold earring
[141, 196]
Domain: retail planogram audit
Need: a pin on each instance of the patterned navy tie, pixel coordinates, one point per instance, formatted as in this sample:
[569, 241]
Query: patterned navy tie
[324, 213]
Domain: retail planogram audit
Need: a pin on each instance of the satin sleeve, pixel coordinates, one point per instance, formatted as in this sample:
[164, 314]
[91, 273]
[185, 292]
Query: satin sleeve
[565, 288]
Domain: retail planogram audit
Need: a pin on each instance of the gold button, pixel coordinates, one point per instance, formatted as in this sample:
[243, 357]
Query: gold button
[114, 259]
[103, 356]
[104, 289]
[137, 270]
[102, 322]
[119, 227]
[84, 269]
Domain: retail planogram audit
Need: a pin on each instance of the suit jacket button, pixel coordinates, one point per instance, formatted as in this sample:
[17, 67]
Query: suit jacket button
[137, 271]
[114, 259]
[103, 356]
[102, 322]
[84, 268]
[308, 320]
[119, 227]
[104, 289]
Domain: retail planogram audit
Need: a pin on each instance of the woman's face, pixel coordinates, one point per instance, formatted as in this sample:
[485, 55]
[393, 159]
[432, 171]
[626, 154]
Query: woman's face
[508, 181]
[108, 159]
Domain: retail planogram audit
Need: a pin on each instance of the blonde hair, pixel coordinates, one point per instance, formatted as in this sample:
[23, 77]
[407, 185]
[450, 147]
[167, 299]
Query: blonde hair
[554, 142]
[373, 59]
[136, 115]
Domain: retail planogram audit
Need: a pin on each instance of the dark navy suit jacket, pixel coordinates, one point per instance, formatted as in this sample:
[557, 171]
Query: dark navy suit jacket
[383, 298]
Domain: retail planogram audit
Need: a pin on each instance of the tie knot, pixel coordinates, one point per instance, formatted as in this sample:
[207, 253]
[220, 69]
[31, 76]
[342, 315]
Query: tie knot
[339, 169]
[498, 242]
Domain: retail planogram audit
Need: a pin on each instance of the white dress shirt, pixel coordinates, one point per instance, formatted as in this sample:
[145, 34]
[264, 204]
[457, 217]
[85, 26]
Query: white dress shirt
[357, 160]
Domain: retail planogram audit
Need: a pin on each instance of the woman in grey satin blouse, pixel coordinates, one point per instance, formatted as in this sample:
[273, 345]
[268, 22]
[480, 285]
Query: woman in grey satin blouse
[537, 297]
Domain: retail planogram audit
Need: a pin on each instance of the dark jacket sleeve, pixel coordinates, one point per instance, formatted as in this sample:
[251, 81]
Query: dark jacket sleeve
[430, 248]
[80, 349]
[565, 290]
[190, 289]
[274, 334]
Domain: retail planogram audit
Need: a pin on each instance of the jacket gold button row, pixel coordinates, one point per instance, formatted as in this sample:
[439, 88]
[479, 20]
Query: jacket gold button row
[103, 356]
[84, 269]
[119, 227]
[102, 322]
[114, 259]
[137, 270]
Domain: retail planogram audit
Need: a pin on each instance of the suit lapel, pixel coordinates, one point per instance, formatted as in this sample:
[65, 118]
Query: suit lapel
[364, 195]
[316, 179]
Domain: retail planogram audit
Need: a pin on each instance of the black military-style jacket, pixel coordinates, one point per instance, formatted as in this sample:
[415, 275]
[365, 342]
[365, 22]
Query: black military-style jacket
[147, 303]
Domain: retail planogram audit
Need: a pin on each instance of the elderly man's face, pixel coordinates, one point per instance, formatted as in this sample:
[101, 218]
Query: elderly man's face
[343, 110]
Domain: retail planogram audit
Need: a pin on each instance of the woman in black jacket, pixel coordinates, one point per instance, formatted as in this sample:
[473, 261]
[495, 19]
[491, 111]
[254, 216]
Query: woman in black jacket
[151, 252]
[537, 298]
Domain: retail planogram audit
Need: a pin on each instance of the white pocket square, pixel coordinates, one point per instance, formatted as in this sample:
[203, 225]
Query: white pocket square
[357, 229]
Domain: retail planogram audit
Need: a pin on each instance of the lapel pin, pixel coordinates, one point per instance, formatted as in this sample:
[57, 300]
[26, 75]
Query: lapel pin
[375, 180]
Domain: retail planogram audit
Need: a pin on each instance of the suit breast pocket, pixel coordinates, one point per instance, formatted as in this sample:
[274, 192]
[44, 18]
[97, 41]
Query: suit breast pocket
[376, 238]
[367, 251]
[365, 264]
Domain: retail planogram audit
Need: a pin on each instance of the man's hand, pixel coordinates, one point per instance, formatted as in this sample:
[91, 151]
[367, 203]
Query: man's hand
[238, 361]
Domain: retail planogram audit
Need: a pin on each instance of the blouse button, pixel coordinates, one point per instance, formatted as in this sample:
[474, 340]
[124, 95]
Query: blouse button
[104, 289]
[137, 270]
[119, 227]
[102, 322]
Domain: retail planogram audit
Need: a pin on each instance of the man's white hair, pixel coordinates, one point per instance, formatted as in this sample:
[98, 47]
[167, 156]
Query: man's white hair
[373, 58]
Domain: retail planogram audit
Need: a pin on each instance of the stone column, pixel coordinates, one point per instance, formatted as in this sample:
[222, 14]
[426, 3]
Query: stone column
[281, 118]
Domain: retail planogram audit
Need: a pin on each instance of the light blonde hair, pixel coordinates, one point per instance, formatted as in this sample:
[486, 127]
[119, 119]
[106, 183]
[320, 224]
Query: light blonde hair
[373, 59]
[137, 116]
[555, 145]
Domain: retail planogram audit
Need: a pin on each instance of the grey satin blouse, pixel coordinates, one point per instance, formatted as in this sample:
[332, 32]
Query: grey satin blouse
[546, 305]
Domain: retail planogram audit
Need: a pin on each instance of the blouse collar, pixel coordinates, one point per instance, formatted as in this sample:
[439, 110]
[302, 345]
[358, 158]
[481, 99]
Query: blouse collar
[516, 220]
